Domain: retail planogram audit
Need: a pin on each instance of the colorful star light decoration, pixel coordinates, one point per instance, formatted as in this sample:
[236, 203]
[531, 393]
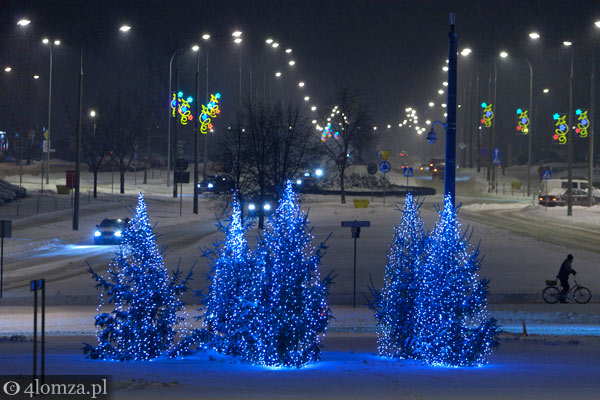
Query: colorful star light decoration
[327, 133]
[523, 121]
[182, 105]
[583, 123]
[560, 133]
[488, 115]
[210, 110]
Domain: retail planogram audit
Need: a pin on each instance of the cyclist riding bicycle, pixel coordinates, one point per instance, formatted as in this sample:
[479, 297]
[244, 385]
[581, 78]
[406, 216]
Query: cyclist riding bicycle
[563, 275]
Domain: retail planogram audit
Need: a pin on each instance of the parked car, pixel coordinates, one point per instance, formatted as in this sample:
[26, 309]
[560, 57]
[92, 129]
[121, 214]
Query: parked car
[110, 231]
[20, 192]
[215, 184]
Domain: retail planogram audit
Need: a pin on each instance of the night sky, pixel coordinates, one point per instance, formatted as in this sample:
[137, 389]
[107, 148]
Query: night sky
[389, 51]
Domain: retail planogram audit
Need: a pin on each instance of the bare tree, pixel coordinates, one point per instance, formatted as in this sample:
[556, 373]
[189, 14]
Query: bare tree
[265, 148]
[124, 130]
[350, 117]
[95, 143]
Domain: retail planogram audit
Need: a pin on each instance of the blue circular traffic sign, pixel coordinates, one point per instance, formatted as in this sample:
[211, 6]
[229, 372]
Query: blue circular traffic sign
[385, 167]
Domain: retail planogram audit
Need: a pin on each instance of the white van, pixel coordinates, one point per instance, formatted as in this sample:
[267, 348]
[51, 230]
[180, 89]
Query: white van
[549, 185]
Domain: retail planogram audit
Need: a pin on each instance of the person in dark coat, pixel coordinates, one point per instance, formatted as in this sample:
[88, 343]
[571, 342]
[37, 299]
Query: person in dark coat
[563, 275]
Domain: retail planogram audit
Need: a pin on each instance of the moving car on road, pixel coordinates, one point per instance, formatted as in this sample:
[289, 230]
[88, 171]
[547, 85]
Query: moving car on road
[110, 231]
[214, 184]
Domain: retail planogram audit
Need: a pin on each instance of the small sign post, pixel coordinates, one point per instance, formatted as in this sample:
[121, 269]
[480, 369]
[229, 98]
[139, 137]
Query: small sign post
[407, 172]
[355, 229]
[5, 231]
[35, 285]
[181, 177]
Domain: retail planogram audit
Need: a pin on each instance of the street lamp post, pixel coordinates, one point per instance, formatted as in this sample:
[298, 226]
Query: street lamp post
[48, 129]
[196, 141]
[124, 28]
[570, 139]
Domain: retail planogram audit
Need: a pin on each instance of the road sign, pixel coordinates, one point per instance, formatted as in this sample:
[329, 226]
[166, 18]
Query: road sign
[385, 167]
[372, 168]
[384, 154]
[496, 157]
[180, 147]
[181, 164]
[355, 223]
[182, 176]
[547, 174]
[46, 134]
[355, 229]
[407, 172]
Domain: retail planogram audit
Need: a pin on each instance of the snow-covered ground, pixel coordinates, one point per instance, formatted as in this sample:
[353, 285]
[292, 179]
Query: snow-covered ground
[531, 367]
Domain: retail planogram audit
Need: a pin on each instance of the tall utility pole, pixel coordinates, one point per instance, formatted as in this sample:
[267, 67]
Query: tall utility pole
[570, 142]
[494, 123]
[450, 170]
[591, 134]
[196, 141]
[48, 132]
[176, 138]
[204, 167]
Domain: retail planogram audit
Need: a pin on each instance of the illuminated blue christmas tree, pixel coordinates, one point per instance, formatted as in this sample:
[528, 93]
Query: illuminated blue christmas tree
[394, 304]
[451, 324]
[292, 312]
[231, 298]
[147, 300]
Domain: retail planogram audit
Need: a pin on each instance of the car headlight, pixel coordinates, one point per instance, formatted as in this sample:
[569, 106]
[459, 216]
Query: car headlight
[210, 185]
[97, 233]
[267, 207]
[251, 207]
[118, 233]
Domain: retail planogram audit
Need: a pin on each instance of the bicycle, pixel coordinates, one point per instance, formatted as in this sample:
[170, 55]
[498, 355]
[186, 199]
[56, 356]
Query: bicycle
[552, 293]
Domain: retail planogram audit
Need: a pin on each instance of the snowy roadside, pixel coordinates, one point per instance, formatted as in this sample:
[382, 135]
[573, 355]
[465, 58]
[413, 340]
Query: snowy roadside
[539, 319]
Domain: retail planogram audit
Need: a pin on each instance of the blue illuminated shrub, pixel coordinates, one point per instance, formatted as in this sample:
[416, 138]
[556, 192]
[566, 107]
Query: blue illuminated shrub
[147, 300]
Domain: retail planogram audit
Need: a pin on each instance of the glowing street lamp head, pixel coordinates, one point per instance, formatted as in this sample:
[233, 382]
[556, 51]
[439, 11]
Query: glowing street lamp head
[275, 45]
[431, 104]
[7, 69]
[597, 23]
[292, 62]
[45, 41]
[237, 40]
[313, 108]
[195, 47]
[444, 68]
[278, 74]
[546, 90]
[534, 35]
[23, 22]
[57, 42]
[440, 91]
[465, 52]
[444, 83]
[93, 114]
[206, 36]
[236, 34]
[36, 77]
[288, 51]
[301, 84]
[269, 41]
[503, 54]
[567, 43]
[125, 28]
[306, 98]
